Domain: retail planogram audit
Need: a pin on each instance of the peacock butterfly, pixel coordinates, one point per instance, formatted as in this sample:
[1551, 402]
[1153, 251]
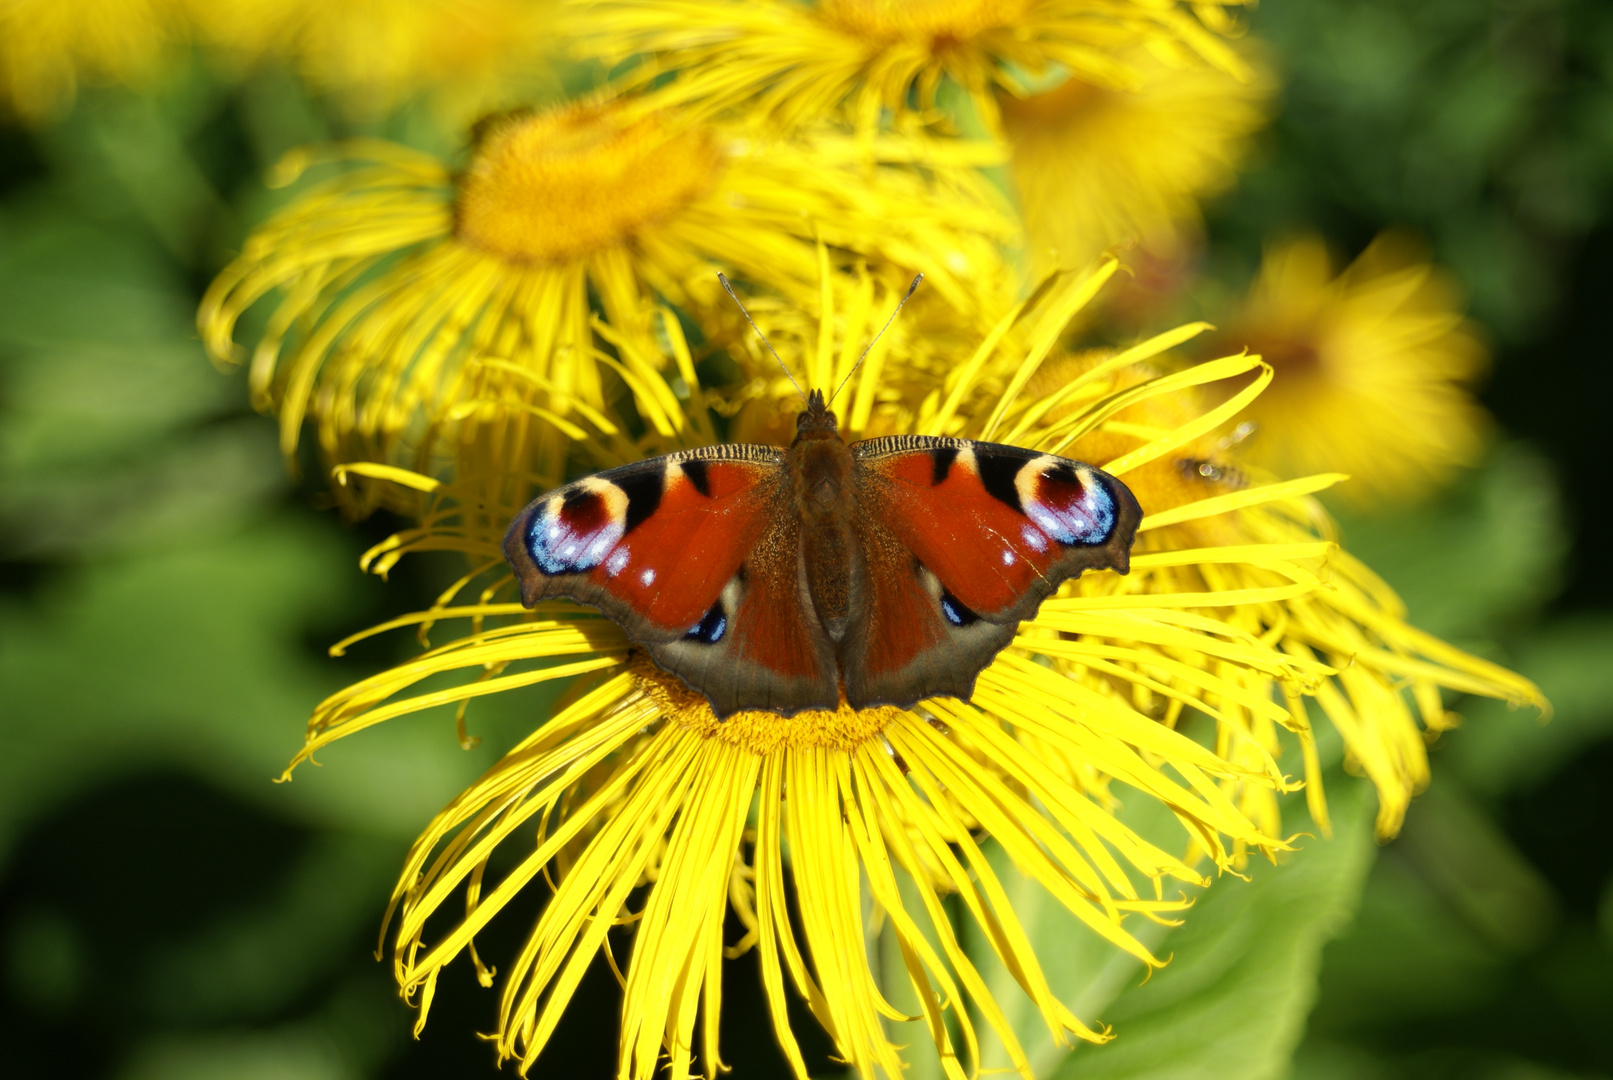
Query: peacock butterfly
[891, 570]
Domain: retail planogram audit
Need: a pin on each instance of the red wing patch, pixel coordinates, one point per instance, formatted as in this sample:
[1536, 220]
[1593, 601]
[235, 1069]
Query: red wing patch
[900, 619]
[911, 638]
[999, 526]
[651, 544]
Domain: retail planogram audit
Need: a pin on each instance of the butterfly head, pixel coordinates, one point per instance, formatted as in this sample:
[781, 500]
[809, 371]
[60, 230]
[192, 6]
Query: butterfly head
[817, 422]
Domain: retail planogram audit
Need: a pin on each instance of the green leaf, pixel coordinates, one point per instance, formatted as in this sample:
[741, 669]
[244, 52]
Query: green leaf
[1233, 999]
[1445, 912]
[114, 435]
[1500, 749]
[193, 655]
[297, 1051]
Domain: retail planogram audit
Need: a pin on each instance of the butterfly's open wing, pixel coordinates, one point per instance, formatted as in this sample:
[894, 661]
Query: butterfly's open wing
[962, 541]
[694, 554]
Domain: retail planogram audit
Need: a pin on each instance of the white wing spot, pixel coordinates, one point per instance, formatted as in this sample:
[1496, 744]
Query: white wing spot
[648, 577]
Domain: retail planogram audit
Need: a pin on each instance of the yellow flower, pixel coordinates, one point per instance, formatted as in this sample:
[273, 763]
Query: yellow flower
[374, 54]
[48, 49]
[1199, 497]
[371, 54]
[790, 64]
[1095, 166]
[1372, 367]
[653, 819]
[414, 298]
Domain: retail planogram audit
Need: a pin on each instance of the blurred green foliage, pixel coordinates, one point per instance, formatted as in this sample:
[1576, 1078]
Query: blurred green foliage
[1486, 126]
[166, 595]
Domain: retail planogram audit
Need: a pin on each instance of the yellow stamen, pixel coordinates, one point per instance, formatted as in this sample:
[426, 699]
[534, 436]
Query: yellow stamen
[552, 186]
[762, 732]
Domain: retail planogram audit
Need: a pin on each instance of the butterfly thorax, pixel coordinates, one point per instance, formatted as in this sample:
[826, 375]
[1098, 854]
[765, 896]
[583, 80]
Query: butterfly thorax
[820, 465]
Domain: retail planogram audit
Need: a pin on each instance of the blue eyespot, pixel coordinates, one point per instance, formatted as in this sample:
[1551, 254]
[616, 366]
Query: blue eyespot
[710, 629]
[1071, 512]
[955, 612]
[576, 538]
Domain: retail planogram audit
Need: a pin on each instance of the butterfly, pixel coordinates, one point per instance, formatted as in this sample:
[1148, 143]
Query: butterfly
[886, 571]
[893, 569]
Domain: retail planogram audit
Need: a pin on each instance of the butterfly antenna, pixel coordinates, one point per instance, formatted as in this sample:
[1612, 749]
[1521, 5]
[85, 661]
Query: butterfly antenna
[911, 289]
[724, 279]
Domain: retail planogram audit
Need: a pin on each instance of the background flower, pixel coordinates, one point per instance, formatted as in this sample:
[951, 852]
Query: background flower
[415, 300]
[790, 64]
[373, 55]
[49, 50]
[370, 55]
[1373, 367]
[1096, 166]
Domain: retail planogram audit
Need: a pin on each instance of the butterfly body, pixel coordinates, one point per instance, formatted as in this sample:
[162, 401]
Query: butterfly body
[890, 570]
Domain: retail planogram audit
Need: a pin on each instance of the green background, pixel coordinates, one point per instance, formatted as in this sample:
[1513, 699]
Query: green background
[166, 596]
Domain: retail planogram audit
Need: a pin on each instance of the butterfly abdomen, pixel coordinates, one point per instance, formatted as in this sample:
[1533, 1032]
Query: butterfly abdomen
[820, 477]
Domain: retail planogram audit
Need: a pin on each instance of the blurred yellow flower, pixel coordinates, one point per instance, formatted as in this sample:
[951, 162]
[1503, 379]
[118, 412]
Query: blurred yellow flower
[48, 49]
[1095, 166]
[790, 64]
[1373, 367]
[372, 55]
[415, 299]
[1201, 496]
[471, 55]
[639, 794]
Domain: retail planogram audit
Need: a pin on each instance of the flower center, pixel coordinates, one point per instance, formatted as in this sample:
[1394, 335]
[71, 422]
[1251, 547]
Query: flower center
[762, 732]
[553, 186]
[936, 20]
[1061, 109]
[1293, 355]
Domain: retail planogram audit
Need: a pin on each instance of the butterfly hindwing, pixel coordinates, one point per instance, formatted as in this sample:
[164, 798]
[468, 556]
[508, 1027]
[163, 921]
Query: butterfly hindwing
[908, 639]
[760, 646]
[684, 553]
[990, 531]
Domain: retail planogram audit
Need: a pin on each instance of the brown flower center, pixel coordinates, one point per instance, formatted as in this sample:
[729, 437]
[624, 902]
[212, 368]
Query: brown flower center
[1062, 109]
[1292, 355]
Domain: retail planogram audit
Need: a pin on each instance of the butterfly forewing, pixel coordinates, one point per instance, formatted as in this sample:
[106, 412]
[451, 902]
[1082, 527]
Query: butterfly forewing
[989, 531]
[693, 554]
